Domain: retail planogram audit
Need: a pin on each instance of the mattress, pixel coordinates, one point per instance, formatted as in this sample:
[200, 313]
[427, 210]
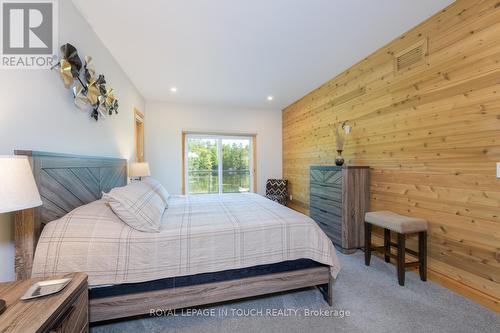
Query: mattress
[199, 234]
[191, 280]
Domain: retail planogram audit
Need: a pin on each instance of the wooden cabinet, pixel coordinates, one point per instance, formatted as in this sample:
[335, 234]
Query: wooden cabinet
[65, 311]
[339, 199]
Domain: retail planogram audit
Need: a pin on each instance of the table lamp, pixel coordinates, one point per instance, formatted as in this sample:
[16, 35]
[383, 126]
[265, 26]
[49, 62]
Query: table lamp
[18, 189]
[139, 170]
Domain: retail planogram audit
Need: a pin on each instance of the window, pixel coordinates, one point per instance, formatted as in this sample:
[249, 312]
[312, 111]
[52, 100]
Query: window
[218, 164]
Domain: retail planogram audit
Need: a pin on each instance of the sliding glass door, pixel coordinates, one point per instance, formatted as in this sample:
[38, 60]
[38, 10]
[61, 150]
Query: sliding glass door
[203, 165]
[236, 165]
[218, 164]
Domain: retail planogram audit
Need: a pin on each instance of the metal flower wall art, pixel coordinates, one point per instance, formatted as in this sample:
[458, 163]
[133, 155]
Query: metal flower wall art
[91, 93]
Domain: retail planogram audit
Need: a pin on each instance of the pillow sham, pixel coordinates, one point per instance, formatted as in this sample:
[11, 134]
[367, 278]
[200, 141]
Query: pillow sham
[138, 205]
[159, 189]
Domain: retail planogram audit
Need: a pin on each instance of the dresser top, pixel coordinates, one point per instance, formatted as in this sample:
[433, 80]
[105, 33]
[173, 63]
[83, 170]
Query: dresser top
[34, 315]
[336, 167]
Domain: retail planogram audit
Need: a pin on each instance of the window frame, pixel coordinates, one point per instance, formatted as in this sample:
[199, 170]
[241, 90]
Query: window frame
[219, 137]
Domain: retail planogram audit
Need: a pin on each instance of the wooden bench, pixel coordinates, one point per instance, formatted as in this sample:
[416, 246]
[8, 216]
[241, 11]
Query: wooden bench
[401, 225]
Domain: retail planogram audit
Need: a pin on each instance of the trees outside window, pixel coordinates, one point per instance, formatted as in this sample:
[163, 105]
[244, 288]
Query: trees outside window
[218, 164]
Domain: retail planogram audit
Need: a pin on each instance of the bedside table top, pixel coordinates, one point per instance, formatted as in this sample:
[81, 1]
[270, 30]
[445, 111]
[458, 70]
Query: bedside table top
[36, 315]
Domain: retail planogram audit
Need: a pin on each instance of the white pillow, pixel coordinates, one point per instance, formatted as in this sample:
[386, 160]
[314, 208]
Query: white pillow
[158, 187]
[138, 205]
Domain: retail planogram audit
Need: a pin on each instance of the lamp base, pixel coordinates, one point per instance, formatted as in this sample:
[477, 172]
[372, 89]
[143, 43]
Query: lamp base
[3, 306]
[137, 179]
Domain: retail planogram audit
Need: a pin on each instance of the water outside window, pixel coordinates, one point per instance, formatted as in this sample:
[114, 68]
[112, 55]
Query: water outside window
[218, 164]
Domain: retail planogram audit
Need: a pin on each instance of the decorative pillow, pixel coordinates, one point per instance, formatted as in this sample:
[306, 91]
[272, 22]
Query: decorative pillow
[138, 205]
[158, 187]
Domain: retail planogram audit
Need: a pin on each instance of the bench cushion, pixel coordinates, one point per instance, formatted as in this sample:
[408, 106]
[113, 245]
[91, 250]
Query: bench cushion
[399, 223]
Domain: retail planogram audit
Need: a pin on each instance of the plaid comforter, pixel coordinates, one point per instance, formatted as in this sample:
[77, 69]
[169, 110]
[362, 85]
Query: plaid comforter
[199, 234]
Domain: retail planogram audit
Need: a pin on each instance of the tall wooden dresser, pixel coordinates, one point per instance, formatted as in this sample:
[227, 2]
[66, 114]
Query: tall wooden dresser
[339, 199]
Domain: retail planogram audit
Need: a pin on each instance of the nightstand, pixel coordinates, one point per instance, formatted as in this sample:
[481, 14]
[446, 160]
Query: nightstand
[65, 311]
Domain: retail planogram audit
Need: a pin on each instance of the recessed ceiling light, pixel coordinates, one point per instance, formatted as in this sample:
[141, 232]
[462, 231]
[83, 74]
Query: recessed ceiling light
[270, 98]
[173, 89]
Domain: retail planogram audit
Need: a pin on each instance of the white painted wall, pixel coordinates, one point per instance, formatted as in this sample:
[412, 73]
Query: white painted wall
[164, 123]
[37, 113]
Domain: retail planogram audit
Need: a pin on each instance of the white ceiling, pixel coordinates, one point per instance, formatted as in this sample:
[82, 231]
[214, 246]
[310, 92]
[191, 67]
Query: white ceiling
[236, 53]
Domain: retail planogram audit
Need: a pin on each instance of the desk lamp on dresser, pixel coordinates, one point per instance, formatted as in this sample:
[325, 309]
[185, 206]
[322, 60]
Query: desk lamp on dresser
[18, 189]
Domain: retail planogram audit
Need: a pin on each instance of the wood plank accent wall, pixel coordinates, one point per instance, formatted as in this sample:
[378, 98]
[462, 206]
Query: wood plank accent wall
[430, 132]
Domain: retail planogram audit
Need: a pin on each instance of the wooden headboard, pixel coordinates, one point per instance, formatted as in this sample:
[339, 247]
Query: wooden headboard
[65, 182]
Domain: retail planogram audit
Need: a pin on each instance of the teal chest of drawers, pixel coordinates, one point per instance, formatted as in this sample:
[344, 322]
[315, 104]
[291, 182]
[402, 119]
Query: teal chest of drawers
[339, 199]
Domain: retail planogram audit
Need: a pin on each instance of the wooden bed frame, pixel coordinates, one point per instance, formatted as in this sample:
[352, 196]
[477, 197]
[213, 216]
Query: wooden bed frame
[69, 181]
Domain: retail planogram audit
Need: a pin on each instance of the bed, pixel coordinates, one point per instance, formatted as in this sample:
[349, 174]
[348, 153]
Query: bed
[211, 248]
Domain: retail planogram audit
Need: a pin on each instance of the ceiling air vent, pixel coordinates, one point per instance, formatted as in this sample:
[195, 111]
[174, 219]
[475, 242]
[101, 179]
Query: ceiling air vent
[411, 57]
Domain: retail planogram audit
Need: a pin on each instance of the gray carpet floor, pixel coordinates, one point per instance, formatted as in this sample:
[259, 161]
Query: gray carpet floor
[371, 295]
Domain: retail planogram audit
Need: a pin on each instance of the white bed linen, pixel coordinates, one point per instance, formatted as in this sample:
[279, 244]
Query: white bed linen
[199, 234]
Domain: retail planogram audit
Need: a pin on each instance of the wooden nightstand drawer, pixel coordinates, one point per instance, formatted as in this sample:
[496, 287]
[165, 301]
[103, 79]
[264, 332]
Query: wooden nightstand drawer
[76, 318]
[66, 311]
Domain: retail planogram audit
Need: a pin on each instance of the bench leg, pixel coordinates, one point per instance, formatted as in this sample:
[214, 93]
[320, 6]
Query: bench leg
[401, 259]
[387, 245]
[368, 243]
[422, 255]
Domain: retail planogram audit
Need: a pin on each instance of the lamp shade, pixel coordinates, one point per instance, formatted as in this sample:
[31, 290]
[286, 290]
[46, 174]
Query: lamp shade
[139, 170]
[18, 189]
